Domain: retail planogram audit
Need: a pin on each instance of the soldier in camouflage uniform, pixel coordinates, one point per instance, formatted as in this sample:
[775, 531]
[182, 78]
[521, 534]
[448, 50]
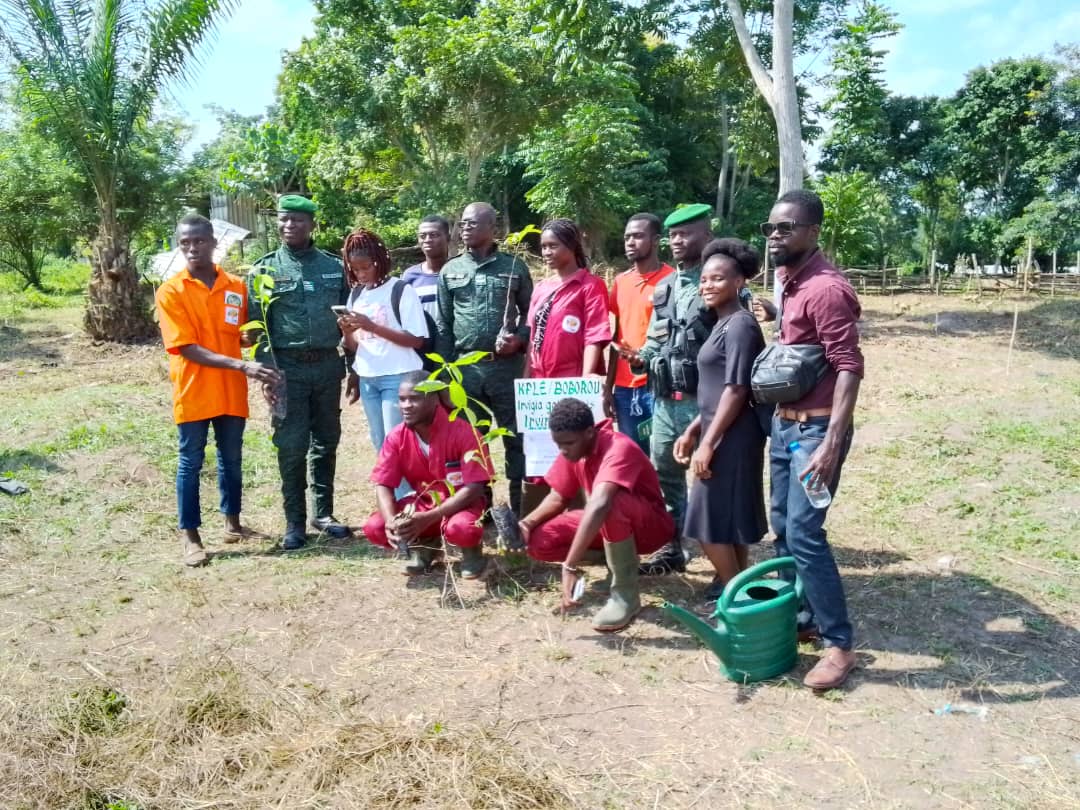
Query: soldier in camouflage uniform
[305, 336]
[677, 328]
[483, 299]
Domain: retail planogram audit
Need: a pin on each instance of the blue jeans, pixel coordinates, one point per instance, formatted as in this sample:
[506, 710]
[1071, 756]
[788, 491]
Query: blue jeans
[800, 528]
[632, 407]
[229, 437]
[379, 396]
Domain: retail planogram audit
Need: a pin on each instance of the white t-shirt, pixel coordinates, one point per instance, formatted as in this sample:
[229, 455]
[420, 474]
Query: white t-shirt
[376, 356]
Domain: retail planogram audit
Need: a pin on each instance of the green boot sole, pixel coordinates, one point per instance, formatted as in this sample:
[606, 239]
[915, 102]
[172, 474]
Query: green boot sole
[473, 562]
[616, 614]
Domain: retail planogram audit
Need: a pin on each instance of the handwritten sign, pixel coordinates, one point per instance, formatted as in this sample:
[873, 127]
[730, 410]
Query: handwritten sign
[534, 400]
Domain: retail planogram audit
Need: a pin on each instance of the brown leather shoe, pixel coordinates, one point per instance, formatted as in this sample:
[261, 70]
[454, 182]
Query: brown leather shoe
[831, 670]
[194, 554]
[231, 536]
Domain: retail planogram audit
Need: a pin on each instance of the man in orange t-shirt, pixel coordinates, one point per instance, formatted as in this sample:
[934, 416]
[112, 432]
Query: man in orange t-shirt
[200, 311]
[626, 395]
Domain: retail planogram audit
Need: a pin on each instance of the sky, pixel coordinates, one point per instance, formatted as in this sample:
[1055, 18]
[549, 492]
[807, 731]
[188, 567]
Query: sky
[239, 66]
[941, 42]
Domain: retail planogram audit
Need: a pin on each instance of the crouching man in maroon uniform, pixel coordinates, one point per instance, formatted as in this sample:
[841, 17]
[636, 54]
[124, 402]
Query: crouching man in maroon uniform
[447, 467]
[623, 517]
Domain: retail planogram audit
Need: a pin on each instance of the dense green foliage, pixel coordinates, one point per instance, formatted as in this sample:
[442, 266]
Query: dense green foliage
[40, 191]
[394, 109]
[89, 74]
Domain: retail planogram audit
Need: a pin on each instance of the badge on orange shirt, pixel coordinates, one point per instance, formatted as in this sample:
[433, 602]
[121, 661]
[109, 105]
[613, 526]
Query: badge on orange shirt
[571, 324]
[233, 299]
[232, 315]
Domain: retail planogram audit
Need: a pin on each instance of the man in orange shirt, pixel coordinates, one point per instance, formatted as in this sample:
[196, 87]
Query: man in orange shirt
[626, 395]
[200, 311]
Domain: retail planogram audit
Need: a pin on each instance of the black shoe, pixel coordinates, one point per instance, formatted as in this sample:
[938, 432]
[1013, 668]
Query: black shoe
[420, 561]
[331, 527]
[669, 559]
[294, 537]
[714, 590]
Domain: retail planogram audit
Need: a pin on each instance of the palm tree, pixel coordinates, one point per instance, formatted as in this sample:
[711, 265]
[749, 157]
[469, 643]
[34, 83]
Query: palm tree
[89, 71]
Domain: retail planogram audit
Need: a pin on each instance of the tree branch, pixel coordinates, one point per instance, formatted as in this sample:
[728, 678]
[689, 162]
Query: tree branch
[761, 76]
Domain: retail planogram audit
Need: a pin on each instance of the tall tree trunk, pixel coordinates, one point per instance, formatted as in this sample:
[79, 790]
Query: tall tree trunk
[738, 186]
[732, 191]
[118, 306]
[786, 99]
[476, 162]
[778, 90]
[506, 191]
[933, 234]
[725, 159]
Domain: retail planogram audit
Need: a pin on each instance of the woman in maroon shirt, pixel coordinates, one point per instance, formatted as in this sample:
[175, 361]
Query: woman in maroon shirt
[568, 318]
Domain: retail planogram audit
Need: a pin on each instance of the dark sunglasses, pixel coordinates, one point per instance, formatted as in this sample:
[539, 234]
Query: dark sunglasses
[785, 228]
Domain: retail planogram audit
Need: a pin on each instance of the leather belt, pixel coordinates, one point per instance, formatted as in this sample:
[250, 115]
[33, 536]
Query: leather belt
[793, 415]
[308, 355]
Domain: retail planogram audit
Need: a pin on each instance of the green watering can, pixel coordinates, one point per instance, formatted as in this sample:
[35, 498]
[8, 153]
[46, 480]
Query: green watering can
[755, 634]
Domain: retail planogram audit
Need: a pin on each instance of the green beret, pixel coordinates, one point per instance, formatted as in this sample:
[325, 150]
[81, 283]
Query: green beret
[294, 202]
[687, 213]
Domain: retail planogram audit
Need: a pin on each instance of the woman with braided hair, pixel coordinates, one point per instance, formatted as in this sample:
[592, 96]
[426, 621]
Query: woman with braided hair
[384, 326]
[568, 319]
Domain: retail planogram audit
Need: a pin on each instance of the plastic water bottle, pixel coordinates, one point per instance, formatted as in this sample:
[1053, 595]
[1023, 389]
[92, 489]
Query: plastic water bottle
[817, 493]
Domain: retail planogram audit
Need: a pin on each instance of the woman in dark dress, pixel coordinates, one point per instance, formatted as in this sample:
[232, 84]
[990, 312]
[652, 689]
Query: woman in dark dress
[724, 445]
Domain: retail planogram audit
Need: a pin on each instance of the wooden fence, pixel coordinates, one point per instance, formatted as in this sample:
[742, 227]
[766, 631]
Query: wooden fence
[889, 282]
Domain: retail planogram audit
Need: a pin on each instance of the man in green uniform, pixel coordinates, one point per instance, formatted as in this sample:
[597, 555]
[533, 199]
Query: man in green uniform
[679, 324]
[484, 299]
[304, 335]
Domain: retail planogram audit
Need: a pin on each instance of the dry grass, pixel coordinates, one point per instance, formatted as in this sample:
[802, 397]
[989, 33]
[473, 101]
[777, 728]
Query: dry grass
[227, 739]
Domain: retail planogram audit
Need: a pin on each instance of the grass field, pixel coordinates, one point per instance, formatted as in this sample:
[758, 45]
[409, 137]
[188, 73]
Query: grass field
[324, 679]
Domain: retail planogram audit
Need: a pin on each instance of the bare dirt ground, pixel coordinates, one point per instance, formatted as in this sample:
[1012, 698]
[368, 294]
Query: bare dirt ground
[324, 679]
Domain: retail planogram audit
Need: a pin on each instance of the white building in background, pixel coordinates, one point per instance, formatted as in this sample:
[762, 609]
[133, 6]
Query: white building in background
[167, 264]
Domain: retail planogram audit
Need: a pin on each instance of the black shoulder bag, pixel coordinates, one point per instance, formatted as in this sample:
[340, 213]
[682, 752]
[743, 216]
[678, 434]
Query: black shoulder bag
[786, 372]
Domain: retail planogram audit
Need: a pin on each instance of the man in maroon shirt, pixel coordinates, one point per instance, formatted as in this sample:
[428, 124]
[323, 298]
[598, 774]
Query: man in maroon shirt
[624, 515]
[818, 306]
[448, 468]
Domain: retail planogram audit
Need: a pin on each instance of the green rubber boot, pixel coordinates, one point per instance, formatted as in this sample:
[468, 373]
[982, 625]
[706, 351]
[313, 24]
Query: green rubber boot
[419, 562]
[473, 562]
[624, 603]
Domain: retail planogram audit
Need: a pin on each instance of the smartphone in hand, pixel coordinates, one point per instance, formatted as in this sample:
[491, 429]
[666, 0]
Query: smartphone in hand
[339, 309]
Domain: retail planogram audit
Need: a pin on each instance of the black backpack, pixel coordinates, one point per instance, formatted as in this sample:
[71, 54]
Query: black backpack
[429, 342]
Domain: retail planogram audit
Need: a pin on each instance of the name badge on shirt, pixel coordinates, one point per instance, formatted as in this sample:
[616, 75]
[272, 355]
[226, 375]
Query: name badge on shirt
[571, 324]
[233, 299]
[232, 315]
[454, 475]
